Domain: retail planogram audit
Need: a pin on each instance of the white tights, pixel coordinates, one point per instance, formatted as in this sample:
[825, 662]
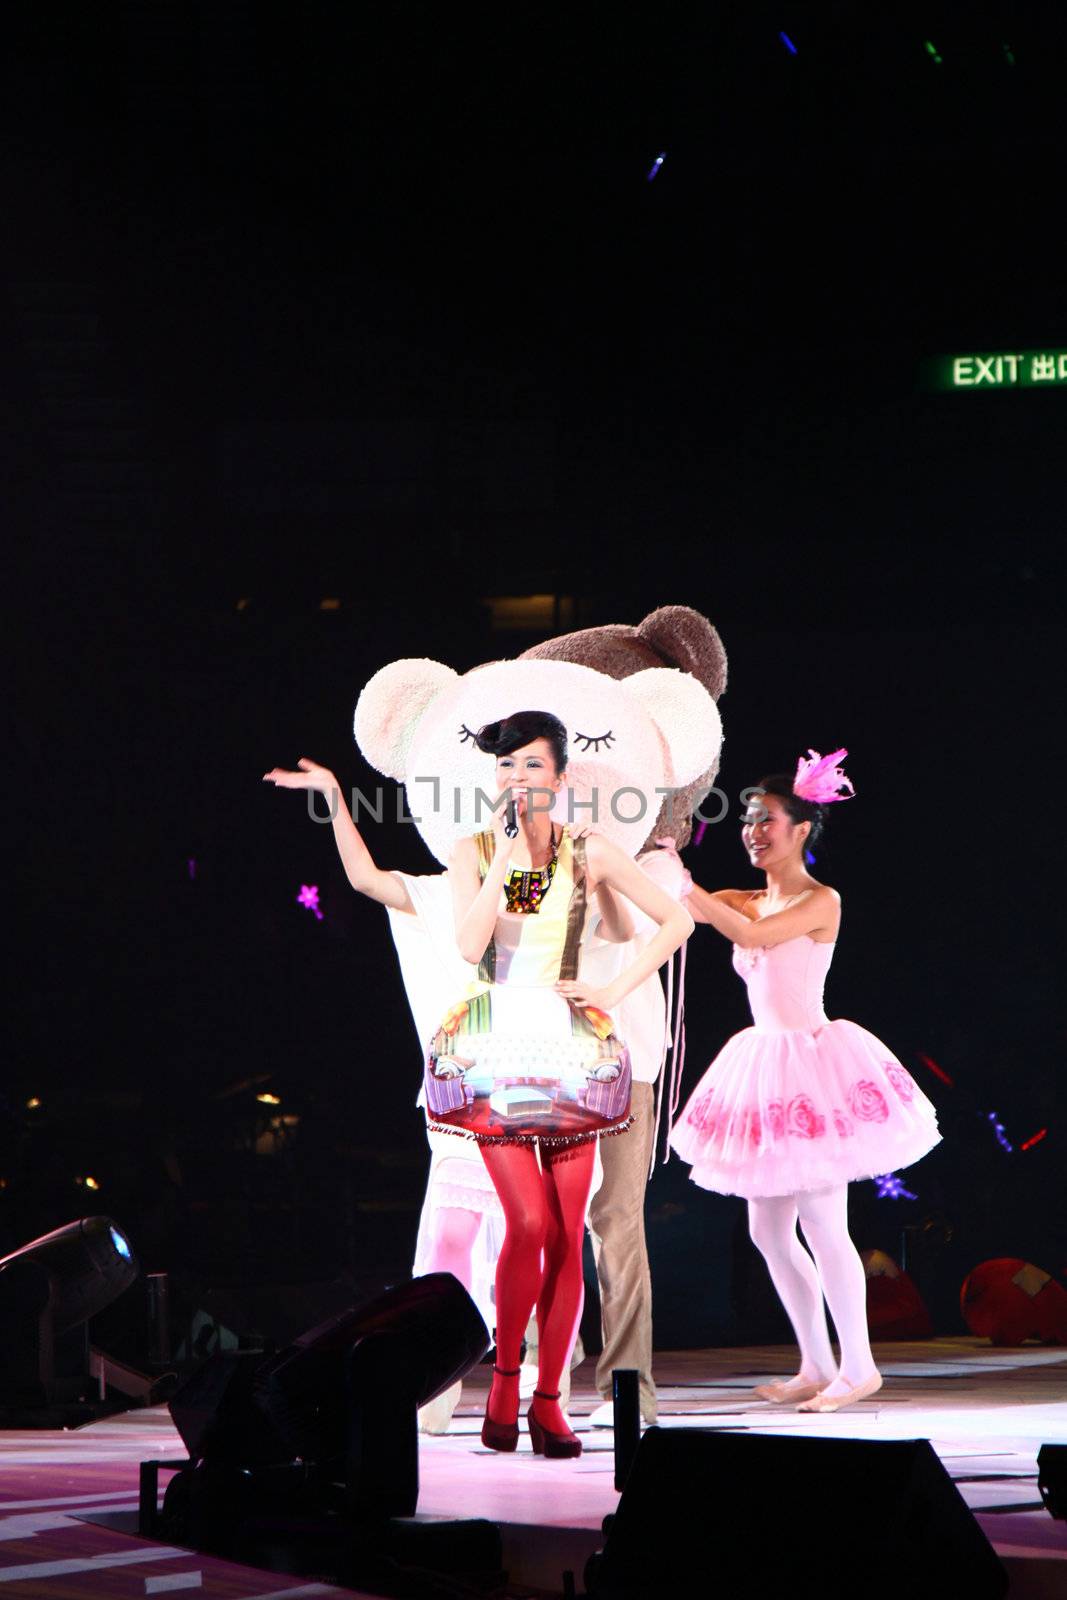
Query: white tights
[836, 1273]
[454, 1232]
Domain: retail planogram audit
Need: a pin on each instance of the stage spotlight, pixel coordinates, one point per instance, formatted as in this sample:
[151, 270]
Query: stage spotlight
[48, 1291]
[332, 1417]
[1052, 1479]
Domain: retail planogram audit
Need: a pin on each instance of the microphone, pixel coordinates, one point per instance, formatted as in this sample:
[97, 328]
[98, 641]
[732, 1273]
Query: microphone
[511, 820]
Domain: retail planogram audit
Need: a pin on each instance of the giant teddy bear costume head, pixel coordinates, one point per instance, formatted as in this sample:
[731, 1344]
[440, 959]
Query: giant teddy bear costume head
[638, 704]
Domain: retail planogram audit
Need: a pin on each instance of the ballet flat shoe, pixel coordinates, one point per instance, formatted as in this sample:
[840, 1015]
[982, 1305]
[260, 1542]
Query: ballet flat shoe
[862, 1391]
[778, 1395]
[554, 1446]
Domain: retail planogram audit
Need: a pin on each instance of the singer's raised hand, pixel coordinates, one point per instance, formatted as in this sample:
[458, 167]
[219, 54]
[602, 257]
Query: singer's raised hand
[310, 776]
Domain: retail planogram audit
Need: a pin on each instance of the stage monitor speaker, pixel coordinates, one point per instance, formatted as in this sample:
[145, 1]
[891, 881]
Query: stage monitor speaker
[342, 1399]
[216, 1413]
[723, 1513]
[348, 1391]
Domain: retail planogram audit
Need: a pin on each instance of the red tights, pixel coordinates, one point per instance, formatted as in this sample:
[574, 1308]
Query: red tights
[540, 1264]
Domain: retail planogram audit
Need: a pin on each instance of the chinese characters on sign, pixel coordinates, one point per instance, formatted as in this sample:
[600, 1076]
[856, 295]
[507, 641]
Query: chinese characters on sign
[1024, 369]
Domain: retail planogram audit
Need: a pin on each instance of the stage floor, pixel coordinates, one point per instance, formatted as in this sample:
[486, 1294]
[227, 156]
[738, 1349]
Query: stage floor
[986, 1412]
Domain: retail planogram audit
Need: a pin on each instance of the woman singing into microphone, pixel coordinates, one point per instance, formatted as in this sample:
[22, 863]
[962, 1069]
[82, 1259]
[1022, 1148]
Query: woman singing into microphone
[529, 1063]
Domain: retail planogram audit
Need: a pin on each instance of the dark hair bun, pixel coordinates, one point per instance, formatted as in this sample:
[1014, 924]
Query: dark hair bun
[522, 728]
[781, 786]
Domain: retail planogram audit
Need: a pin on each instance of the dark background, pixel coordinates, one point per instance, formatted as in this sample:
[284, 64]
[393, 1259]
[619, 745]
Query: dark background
[378, 306]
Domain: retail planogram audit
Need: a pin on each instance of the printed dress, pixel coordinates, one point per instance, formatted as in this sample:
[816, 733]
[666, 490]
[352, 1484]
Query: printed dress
[513, 1061]
[796, 1101]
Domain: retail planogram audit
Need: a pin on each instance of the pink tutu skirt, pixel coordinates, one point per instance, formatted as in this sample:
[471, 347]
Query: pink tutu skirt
[782, 1111]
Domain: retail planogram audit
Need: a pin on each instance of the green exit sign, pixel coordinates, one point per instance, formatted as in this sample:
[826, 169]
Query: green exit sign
[1003, 369]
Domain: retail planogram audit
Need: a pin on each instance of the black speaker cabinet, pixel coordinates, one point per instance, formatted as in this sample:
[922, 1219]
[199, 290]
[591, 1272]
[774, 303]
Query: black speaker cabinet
[752, 1514]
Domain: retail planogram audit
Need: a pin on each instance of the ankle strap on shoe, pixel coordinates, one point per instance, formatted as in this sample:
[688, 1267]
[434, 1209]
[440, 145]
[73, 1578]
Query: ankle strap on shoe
[507, 1372]
[539, 1394]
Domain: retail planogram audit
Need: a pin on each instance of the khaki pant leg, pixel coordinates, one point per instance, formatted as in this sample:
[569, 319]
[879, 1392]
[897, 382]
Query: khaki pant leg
[617, 1224]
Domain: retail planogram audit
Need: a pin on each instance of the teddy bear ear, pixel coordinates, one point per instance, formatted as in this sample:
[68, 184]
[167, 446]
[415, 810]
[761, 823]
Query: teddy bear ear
[390, 708]
[686, 716]
[681, 637]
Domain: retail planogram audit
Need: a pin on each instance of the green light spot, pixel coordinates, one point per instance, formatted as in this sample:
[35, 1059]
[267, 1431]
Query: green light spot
[931, 50]
[1009, 55]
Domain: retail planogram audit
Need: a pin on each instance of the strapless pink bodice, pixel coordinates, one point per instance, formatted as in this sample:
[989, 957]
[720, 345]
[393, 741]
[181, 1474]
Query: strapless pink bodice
[785, 984]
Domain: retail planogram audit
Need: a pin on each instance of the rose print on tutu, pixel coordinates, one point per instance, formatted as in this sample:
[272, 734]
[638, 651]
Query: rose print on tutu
[867, 1102]
[775, 1119]
[804, 1121]
[834, 1104]
[902, 1081]
[703, 1117]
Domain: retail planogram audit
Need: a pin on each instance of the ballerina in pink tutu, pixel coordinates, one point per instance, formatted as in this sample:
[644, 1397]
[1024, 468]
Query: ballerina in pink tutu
[796, 1107]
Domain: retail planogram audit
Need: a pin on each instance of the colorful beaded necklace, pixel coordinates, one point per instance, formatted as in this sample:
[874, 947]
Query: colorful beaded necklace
[526, 887]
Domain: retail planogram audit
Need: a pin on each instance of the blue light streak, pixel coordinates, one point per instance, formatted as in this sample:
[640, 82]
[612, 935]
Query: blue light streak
[890, 1187]
[787, 41]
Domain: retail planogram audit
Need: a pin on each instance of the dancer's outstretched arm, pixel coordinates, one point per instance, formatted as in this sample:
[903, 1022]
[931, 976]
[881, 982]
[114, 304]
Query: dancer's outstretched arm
[818, 910]
[362, 873]
[609, 864]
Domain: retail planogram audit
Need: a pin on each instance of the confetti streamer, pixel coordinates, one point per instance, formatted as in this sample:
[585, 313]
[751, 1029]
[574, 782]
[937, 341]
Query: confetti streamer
[937, 1071]
[998, 1129]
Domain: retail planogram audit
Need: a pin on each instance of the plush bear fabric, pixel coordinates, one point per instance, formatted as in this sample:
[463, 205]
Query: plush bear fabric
[672, 636]
[630, 742]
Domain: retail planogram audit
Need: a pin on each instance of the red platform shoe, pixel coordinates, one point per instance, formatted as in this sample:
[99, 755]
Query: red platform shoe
[547, 1443]
[501, 1435]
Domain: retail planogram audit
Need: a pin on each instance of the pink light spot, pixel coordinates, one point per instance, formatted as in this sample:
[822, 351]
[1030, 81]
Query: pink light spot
[191, 864]
[309, 899]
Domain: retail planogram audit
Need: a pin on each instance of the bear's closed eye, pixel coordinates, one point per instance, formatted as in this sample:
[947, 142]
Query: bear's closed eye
[593, 741]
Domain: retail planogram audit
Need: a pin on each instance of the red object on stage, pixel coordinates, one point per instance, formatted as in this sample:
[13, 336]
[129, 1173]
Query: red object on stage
[939, 1072]
[895, 1308]
[1008, 1301]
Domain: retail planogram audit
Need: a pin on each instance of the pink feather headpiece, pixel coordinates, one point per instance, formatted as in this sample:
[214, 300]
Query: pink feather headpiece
[820, 780]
